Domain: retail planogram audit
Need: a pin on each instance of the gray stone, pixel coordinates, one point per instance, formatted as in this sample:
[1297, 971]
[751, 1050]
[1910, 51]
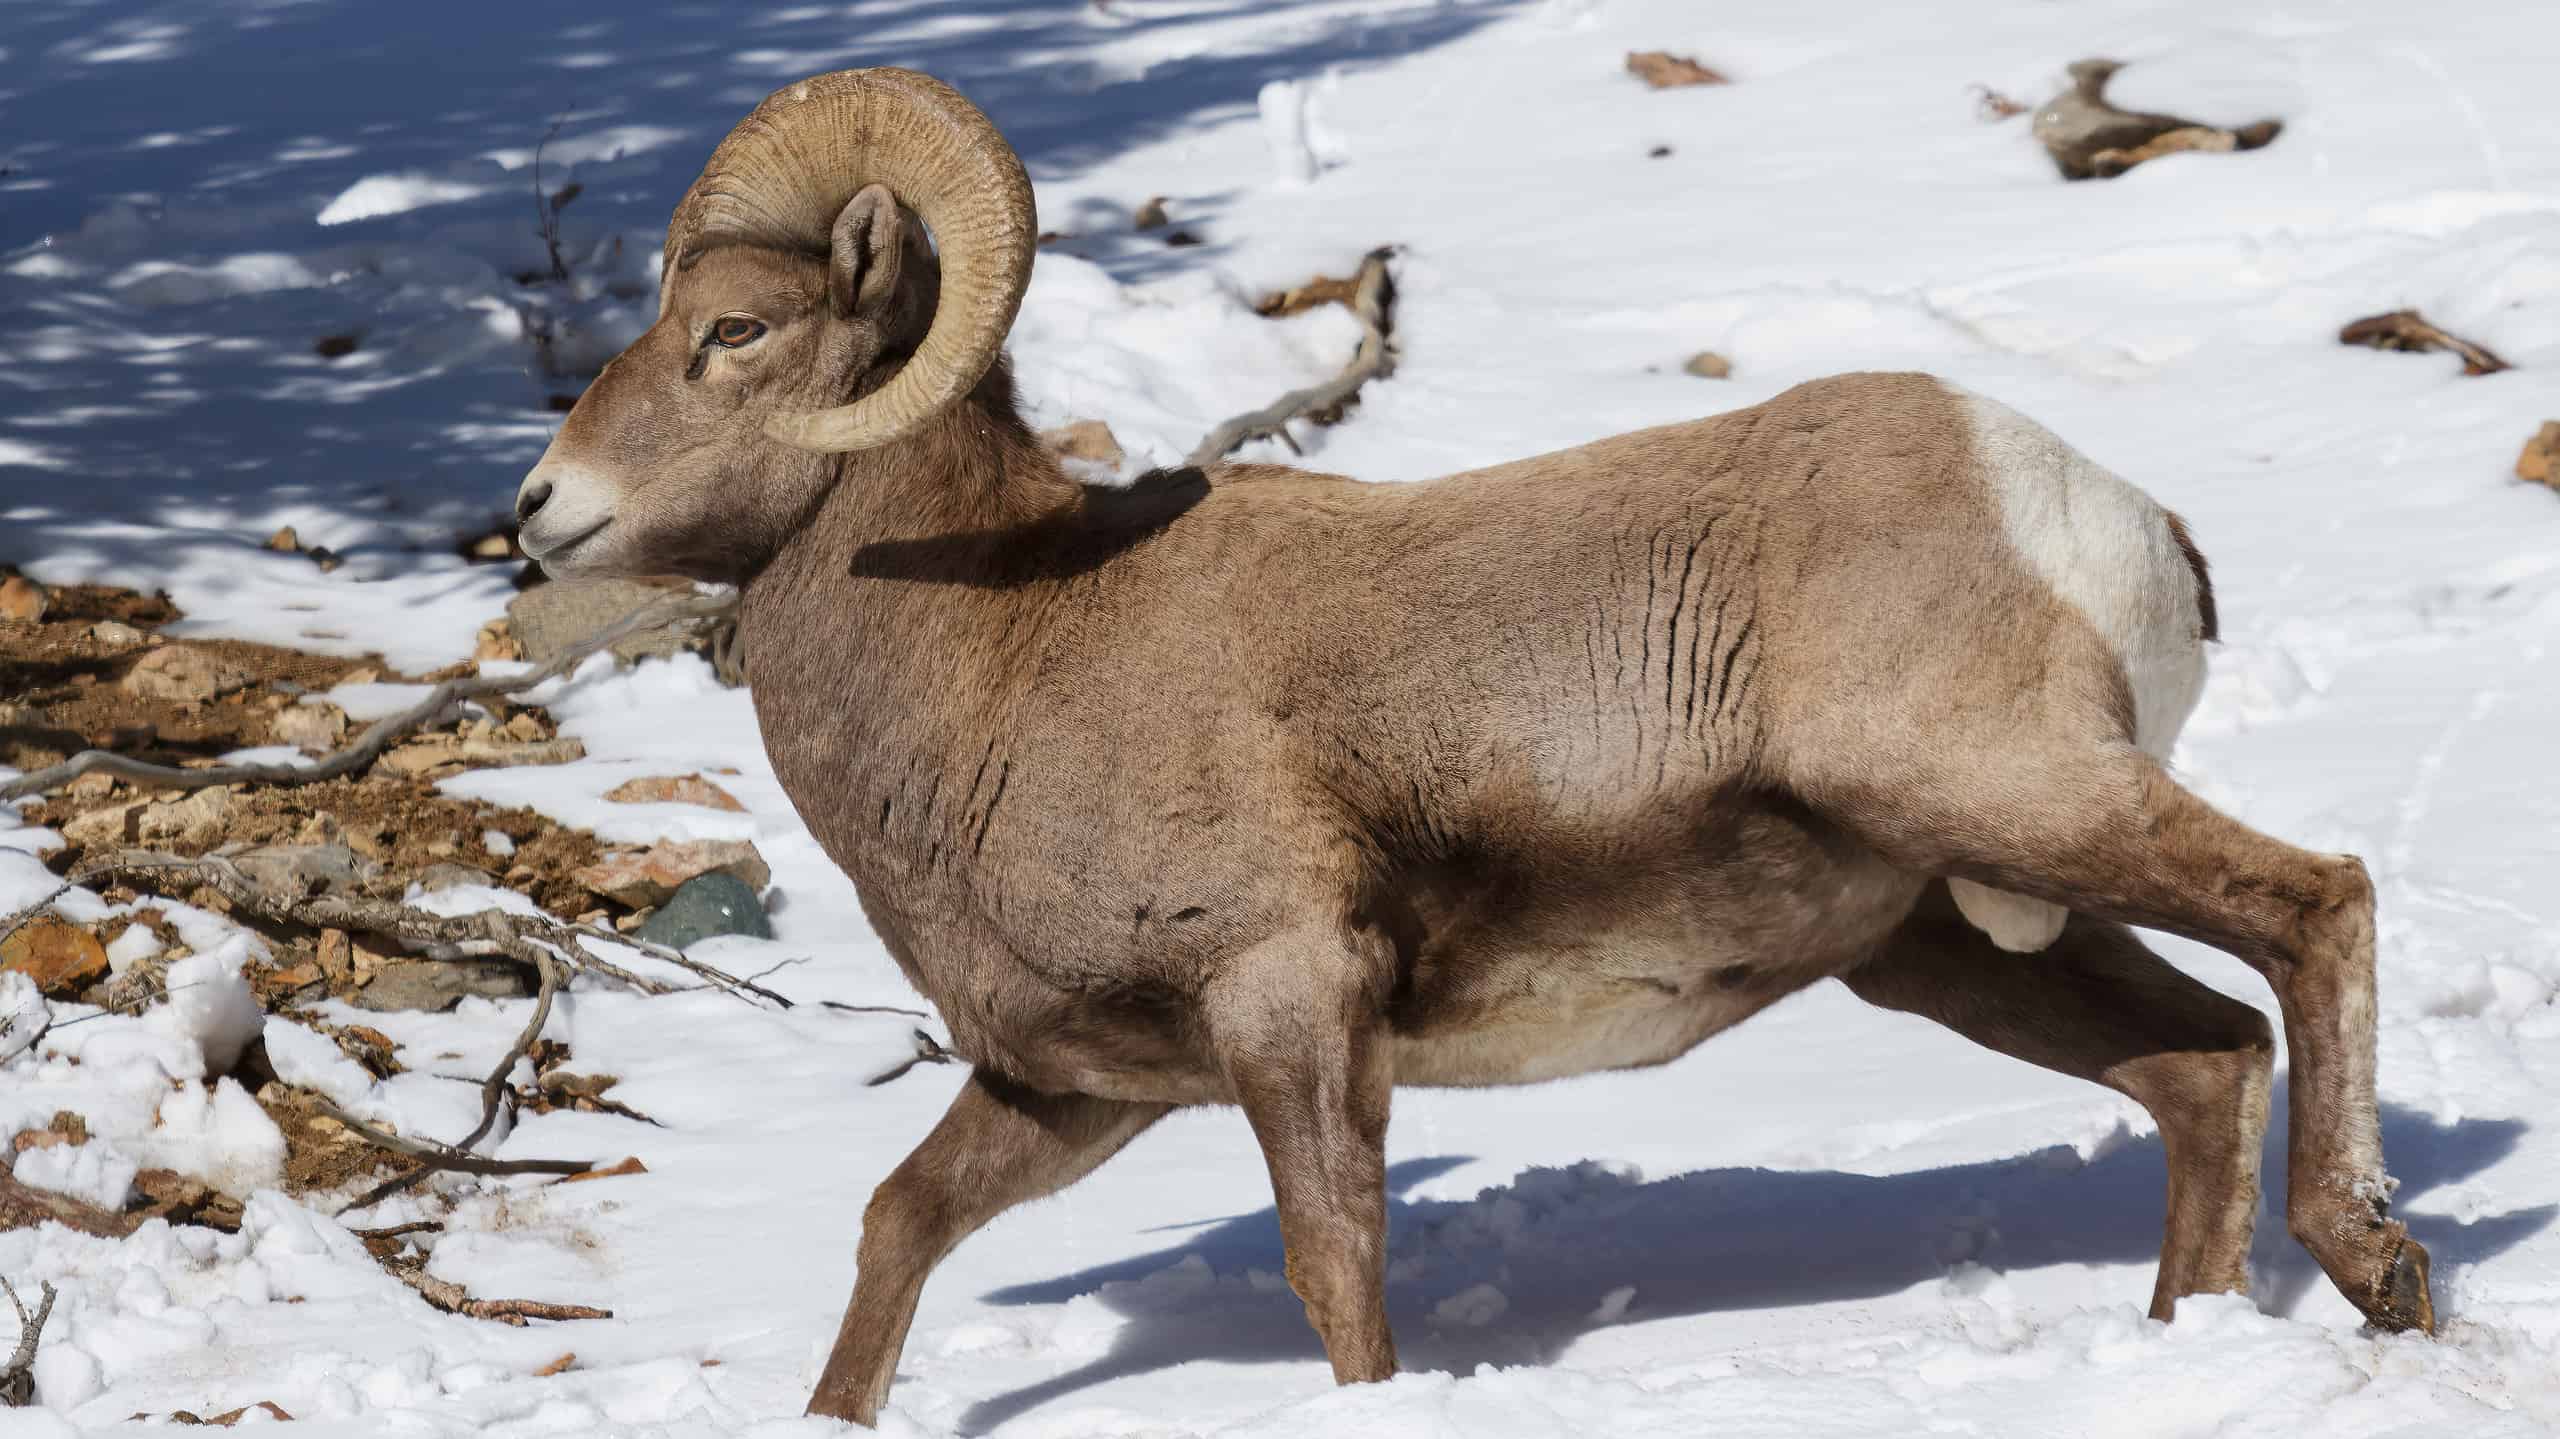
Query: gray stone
[440, 984]
[705, 905]
[551, 617]
[453, 876]
[301, 870]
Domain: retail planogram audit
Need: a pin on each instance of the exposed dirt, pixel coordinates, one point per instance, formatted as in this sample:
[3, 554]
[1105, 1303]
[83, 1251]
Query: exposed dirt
[401, 823]
[60, 693]
[60, 689]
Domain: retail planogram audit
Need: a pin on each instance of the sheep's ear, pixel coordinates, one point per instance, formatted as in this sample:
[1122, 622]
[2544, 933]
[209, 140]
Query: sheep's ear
[863, 253]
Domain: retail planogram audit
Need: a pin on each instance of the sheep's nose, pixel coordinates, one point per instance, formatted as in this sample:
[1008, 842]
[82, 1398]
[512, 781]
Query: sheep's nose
[531, 499]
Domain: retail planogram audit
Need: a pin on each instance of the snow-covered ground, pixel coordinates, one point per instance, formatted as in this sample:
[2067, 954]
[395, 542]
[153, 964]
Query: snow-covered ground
[1832, 1221]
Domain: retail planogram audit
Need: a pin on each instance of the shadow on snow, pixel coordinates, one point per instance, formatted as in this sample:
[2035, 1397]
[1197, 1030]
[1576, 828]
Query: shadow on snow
[1556, 1243]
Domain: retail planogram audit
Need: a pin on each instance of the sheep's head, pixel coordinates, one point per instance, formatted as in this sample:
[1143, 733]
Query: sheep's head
[801, 315]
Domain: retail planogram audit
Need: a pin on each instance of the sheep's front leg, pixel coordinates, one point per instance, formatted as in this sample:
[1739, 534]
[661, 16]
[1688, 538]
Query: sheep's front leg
[999, 1145]
[1303, 1042]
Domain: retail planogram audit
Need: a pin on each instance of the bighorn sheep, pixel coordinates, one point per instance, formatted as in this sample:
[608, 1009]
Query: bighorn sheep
[1274, 789]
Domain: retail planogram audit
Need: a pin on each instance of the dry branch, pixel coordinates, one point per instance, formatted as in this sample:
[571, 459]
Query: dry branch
[377, 737]
[431, 1155]
[495, 1089]
[928, 1051]
[526, 938]
[17, 1377]
[2409, 330]
[1372, 303]
[452, 1298]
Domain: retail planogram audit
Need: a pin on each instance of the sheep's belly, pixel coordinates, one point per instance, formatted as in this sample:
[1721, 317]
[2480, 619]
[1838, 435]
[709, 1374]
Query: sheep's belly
[1642, 1030]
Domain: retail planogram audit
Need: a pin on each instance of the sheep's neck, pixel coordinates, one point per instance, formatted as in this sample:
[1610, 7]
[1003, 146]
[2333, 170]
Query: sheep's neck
[894, 631]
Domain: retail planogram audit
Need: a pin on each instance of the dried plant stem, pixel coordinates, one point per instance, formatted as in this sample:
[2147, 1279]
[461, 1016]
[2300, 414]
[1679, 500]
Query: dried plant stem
[1372, 302]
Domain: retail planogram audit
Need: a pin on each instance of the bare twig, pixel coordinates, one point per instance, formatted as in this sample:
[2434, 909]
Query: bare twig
[928, 1051]
[17, 1377]
[720, 978]
[840, 1005]
[394, 1231]
[378, 736]
[452, 1298]
[407, 1179]
[495, 1089]
[1372, 303]
[17, 919]
[444, 1156]
[547, 214]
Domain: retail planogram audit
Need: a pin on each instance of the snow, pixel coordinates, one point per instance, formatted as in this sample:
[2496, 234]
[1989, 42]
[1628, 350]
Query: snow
[1833, 1220]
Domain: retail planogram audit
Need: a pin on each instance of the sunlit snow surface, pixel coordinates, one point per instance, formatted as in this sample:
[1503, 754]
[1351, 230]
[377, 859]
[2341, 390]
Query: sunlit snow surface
[1833, 1221]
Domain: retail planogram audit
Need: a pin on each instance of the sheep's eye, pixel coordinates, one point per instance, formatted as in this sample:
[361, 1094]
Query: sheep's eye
[731, 331]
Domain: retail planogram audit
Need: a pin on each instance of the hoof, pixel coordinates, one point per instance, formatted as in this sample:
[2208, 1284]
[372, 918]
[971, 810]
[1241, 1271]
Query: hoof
[2404, 1302]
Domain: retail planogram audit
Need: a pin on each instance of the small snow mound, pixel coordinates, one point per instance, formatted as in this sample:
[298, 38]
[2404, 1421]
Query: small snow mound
[1473, 1307]
[377, 195]
[308, 1059]
[210, 1003]
[94, 1173]
[67, 1376]
[1613, 1305]
[23, 1014]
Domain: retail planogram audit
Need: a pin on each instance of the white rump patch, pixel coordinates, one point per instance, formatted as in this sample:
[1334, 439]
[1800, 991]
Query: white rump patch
[2106, 548]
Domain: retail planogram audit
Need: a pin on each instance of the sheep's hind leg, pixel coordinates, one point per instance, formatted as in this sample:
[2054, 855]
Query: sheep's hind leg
[2099, 1006]
[998, 1145]
[2102, 830]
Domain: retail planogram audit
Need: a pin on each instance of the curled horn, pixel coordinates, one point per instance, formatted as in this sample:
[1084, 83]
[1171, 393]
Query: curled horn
[791, 166]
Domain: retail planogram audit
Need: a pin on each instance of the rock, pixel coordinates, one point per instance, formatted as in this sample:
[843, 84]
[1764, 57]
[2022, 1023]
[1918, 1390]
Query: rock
[1084, 440]
[443, 752]
[182, 673]
[1665, 71]
[705, 905]
[490, 547]
[1151, 215]
[188, 819]
[326, 558]
[23, 600]
[496, 641]
[303, 870]
[1708, 365]
[2090, 139]
[549, 618]
[2540, 461]
[675, 789]
[451, 876]
[285, 541]
[314, 728]
[640, 878]
[117, 633]
[440, 984]
[61, 957]
[337, 955]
